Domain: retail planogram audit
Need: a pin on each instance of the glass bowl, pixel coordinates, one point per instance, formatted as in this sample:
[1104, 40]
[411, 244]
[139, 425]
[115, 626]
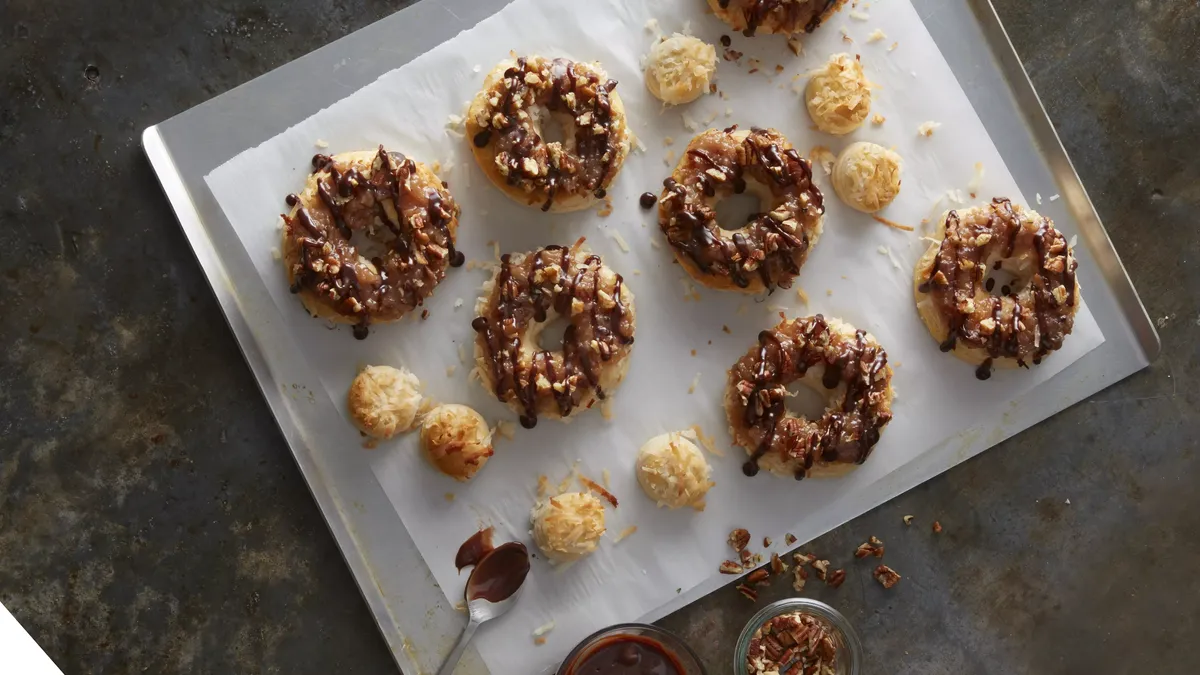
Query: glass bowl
[849, 648]
[673, 643]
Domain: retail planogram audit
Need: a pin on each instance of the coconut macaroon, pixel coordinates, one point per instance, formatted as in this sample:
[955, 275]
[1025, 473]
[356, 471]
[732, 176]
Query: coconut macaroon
[456, 440]
[569, 526]
[866, 176]
[384, 401]
[673, 472]
[679, 69]
[838, 95]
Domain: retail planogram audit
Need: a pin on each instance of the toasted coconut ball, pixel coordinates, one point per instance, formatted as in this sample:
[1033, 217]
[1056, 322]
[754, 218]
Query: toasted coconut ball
[456, 440]
[838, 95]
[867, 176]
[384, 401]
[673, 472]
[679, 69]
[569, 526]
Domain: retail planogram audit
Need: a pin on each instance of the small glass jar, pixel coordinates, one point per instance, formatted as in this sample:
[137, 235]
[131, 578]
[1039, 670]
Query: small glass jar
[688, 661]
[849, 648]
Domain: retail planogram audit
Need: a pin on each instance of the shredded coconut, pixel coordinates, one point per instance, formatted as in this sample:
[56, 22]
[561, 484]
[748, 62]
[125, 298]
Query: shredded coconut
[926, 128]
[859, 15]
[884, 250]
[624, 533]
[824, 157]
[695, 383]
[543, 629]
[976, 180]
[1054, 197]
[876, 35]
[321, 143]
[450, 370]
[616, 236]
[1039, 197]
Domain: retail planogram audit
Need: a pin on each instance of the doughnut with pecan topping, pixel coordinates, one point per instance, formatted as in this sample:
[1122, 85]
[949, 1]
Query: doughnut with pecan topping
[774, 16]
[528, 291]
[767, 250]
[1029, 317]
[508, 120]
[850, 367]
[404, 213]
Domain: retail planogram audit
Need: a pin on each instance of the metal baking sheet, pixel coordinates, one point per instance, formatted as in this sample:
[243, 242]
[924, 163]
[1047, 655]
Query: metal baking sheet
[411, 611]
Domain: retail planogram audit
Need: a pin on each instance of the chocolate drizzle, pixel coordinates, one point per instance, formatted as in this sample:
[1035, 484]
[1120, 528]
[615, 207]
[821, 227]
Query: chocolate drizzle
[574, 285]
[547, 171]
[1028, 319]
[771, 245]
[845, 433]
[789, 16]
[385, 193]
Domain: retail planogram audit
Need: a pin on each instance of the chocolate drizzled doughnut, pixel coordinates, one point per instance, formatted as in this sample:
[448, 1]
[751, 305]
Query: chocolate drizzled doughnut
[1033, 314]
[852, 367]
[404, 212]
[766, 251]
[774, 16]
[506, 121]
[528, 291]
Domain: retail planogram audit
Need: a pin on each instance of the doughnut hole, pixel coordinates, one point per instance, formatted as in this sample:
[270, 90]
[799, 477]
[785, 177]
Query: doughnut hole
[550, 334]
[736, 209]
[807, 398]
[1006, 276]
[553, 127]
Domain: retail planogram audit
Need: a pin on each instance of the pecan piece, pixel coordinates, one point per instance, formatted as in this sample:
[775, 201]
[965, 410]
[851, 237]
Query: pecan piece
[937, 527]
[758, 576]
[836, 578]
[730, 567]
[886, 576]
[803, 558]
[789, 539]
[777, 564]
[739, 539]
[822, 568]
[749, 593]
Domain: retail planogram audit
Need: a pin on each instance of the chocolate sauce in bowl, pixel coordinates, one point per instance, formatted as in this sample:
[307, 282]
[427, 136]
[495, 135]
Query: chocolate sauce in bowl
[628, 655]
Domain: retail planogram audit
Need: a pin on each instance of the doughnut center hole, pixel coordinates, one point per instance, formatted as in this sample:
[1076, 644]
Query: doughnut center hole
[807, 397]
[552, 126]
[1003, 281]
[551, 335]
[735, 210]
[371, 245]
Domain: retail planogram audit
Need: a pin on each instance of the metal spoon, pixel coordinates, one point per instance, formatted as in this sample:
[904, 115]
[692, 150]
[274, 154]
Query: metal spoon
[492, 590]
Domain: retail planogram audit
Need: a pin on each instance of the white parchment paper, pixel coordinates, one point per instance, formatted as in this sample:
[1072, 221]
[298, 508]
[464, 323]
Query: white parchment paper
[860, 271]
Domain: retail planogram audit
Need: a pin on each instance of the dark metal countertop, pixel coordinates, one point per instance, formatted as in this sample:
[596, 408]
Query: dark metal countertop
[151, 517]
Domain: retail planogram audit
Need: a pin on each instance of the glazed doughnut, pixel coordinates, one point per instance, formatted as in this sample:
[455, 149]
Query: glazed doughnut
[1028, 320]
[838, 95]
[770, 248]
[774, 16]
[849, 365]
[506, 120]
[528, 291]
[866, 176]
[679, 69]
[404, 211]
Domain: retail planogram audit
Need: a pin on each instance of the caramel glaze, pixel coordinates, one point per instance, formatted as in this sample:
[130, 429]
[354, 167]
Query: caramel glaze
[796, 13]
[389, 203]
[772, 245]
[527, 286]
[785, 354]
[569, 89]
[1026, 324]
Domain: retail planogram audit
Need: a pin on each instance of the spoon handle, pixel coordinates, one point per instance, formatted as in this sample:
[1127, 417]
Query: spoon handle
[456, 653]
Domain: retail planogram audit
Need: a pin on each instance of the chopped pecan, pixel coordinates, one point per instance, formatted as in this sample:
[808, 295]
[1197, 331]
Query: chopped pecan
[803, 558]
[789, 539]
[730, 567]
[937, 527]
[886, 576]
[758, 576]
[766, 542]
[836, 578]
[777, 564]
[798, 579]
[871, 547]
[748, 592]
[908, 520]
[739, 539]
[822, 568]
